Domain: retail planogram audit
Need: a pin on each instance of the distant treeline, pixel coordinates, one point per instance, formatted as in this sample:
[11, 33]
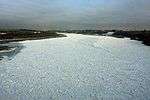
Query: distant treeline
[87, 32]
[24, 33]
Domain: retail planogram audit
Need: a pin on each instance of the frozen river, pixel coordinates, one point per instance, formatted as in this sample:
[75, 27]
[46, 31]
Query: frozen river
[77, 67]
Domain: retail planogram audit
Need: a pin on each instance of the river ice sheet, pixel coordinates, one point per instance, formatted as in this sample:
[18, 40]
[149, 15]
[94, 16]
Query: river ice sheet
[77, 67]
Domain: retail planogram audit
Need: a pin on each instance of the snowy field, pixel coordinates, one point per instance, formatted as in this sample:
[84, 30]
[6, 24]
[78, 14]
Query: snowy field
[77, 67]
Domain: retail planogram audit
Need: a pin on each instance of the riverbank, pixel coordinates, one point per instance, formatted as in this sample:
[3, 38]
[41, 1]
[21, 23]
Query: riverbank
[23, 34]
[143, 36]
[140, 35]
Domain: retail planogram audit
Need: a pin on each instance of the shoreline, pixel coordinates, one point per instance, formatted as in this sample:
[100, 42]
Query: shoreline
[3, 41]
[143, 35]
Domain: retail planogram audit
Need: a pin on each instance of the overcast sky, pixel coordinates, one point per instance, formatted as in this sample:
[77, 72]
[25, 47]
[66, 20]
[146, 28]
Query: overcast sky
[75, 14]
